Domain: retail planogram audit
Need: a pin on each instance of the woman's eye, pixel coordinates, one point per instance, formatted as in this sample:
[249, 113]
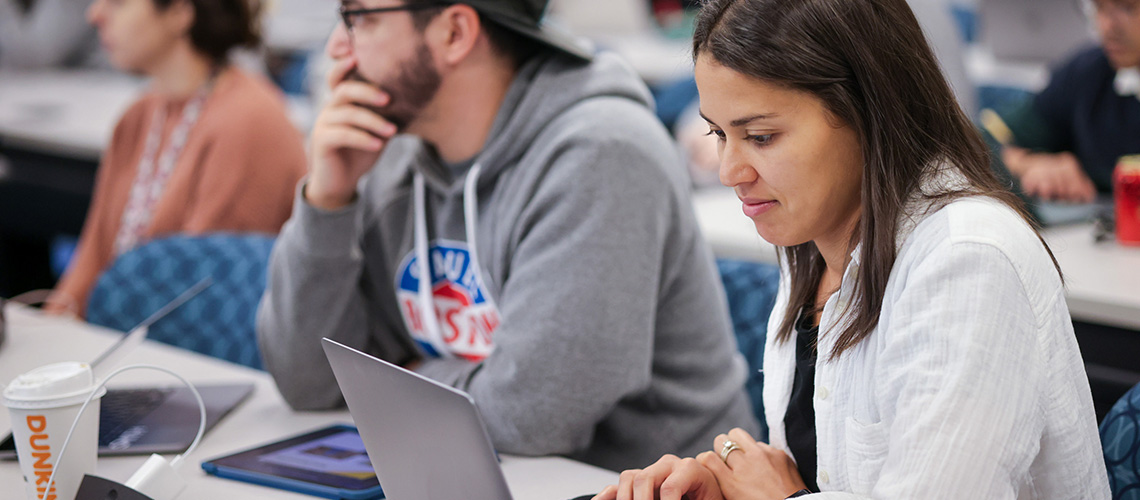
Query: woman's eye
[762, 140]
[718, 133]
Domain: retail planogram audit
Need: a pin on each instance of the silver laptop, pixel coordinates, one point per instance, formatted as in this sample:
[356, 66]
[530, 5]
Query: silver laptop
[154, 419]
[426, 440]
[1037, 31]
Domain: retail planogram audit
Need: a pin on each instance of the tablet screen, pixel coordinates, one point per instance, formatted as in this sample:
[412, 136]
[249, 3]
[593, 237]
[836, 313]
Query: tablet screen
[333, 457]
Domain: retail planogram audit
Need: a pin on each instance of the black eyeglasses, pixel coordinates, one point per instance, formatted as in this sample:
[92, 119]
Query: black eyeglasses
[348, 16]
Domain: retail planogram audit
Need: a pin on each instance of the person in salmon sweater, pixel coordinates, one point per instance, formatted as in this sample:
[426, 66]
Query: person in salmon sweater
[208, 148]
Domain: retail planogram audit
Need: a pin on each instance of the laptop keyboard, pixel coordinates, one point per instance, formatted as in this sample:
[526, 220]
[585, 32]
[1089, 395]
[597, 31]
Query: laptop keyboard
[122, 408]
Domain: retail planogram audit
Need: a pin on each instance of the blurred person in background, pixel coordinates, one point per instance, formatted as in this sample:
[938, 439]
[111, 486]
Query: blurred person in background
[1068, 139]
[208, 148]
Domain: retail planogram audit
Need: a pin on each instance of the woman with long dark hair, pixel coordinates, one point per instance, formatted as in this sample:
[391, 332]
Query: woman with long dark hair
[920, 345]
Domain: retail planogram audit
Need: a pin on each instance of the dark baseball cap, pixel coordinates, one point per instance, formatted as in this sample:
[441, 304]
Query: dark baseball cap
[527, 18]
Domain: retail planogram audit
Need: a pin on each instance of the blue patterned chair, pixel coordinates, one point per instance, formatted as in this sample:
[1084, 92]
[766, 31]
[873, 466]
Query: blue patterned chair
[751, 290]
[1120, 436]
[218, 322]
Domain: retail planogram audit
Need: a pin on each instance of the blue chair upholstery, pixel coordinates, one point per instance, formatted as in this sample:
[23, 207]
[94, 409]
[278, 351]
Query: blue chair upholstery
[218, 322]
[751, 290]
[1120, 437]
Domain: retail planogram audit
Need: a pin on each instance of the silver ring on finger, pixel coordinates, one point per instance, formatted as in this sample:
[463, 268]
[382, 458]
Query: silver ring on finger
[729, 446]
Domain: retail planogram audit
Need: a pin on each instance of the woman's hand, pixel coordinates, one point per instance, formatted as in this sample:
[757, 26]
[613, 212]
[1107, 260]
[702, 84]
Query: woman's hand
[671, 478]
[753, 471]
[53, 303]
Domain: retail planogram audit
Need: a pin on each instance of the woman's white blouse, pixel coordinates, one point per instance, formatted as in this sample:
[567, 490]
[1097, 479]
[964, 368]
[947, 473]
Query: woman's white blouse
[971, 386]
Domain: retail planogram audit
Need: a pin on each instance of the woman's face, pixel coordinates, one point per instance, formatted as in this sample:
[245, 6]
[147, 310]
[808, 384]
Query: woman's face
[796, 167]
[136, 34]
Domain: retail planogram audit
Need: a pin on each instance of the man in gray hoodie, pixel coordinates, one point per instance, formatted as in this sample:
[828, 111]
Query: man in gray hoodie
[496, 208]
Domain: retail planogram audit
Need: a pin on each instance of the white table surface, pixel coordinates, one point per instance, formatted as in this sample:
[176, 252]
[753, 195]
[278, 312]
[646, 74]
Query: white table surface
[72, 113]
[985, 69]
[34, 340]
[731, 233]
[67, 113]
[301, 25]
[1102, 279]
[657, 59]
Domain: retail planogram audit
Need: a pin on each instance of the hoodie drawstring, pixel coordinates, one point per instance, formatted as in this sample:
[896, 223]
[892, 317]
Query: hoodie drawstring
[470, 219]
[432, 329]
[427, 306]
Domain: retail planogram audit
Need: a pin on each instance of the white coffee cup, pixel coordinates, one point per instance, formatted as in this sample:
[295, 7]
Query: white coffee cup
[43, 403]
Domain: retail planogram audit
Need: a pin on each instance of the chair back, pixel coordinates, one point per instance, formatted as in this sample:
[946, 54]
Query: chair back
[219, 322]
[1120, 437]
[751, 290]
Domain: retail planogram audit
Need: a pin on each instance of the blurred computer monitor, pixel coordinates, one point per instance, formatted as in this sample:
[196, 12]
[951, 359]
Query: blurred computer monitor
[1042, 31]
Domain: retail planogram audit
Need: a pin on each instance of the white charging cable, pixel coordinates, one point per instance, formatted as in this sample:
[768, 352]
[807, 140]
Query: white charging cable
[155, 468]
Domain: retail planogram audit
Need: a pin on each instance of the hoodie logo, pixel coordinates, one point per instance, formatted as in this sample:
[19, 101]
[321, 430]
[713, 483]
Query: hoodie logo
[466, 319]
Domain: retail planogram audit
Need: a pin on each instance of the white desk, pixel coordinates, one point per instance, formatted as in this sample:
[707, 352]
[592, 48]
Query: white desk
[67, 113]
[299, 25]
[1102, 280]
[34, 340]
[627, 28]
[73, 113]
[657, 59]
[724, 225]
[985, 69]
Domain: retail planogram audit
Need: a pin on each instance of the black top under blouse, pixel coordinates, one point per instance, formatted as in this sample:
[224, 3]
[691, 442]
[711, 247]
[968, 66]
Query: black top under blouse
[799, 421]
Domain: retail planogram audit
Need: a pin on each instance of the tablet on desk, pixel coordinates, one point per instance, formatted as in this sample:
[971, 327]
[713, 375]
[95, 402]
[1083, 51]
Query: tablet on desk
[329, 462]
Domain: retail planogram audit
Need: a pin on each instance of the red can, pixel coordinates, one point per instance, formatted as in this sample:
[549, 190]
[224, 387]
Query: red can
[1126, 182]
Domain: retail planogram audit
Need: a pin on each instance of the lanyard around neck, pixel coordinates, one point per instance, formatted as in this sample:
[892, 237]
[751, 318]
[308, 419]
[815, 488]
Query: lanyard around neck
[154, 169]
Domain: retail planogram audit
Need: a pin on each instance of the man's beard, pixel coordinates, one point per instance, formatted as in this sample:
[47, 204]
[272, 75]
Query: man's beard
[409, 91]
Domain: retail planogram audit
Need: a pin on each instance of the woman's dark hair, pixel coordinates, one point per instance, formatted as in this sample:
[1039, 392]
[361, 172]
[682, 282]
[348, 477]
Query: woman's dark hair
[221, 25]
[870, 65]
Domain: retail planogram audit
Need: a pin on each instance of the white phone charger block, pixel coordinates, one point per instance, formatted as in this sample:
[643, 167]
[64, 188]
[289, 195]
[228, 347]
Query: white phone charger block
[157, 479]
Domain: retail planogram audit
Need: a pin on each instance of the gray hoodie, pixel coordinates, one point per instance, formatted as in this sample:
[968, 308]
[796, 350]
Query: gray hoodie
[575, 298]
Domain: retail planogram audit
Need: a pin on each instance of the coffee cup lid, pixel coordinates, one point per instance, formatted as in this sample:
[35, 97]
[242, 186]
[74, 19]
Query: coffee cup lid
[54, 385]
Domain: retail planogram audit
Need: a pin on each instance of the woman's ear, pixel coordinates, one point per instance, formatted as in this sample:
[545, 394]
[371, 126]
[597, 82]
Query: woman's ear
[179, 16]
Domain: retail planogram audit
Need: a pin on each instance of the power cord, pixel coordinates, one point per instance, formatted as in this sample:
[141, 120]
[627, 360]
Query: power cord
[156, 478]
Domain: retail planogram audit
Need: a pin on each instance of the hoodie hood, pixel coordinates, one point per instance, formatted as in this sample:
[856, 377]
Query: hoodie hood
[544, 88]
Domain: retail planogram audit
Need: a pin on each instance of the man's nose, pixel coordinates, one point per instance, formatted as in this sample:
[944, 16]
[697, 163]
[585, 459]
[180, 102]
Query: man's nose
[339, 45]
